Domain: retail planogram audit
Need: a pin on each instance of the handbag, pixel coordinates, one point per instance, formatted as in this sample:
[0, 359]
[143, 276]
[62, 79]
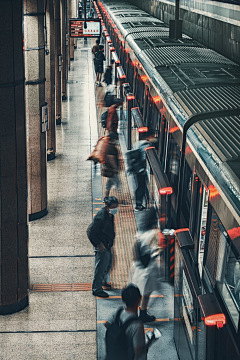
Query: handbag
[107, 171]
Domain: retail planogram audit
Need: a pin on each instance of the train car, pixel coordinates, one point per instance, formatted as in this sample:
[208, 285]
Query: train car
[190, 95]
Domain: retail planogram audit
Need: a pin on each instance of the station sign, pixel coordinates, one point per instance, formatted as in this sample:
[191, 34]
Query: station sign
[45, 118]
[77, 30]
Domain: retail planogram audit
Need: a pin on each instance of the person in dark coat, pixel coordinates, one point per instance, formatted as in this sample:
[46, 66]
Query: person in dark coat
[108, 75]
[102, 237]
[98, 63]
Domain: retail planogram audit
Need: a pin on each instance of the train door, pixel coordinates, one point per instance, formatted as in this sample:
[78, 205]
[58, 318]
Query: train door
[221, 274]
[188, 330]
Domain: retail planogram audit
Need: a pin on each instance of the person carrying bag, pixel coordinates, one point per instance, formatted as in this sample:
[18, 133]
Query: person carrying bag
[101, 234]
[111, 166]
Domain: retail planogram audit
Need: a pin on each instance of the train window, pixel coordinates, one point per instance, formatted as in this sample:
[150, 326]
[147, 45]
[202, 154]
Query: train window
[163, 141]
[140, 89]
[187, 193]
[155, 124]
[223, 267]
[173, 161]
[202, 232]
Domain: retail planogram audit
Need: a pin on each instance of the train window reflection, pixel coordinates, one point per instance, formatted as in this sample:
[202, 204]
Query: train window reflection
[173, 162]
[187, 193]
[202, 233]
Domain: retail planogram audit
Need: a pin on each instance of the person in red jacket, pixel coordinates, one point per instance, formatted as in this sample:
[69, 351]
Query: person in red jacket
[112, 118]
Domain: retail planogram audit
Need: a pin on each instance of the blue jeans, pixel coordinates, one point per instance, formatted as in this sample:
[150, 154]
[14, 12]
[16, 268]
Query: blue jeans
[103, 262]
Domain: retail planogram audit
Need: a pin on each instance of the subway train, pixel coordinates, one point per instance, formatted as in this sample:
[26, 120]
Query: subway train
[190, 96]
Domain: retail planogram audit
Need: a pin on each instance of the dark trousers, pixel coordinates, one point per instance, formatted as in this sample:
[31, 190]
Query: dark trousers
[140, 188]
[103, 261]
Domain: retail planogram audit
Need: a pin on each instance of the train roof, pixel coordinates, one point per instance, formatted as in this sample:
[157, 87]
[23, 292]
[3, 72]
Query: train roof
[192, 79]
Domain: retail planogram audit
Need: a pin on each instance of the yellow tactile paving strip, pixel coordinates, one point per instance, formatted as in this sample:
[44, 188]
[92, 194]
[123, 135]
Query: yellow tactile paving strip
[125, 220]
[62, 287]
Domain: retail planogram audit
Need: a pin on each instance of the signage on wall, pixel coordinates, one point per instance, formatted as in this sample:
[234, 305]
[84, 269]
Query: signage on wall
[45, 122]
[78, 30]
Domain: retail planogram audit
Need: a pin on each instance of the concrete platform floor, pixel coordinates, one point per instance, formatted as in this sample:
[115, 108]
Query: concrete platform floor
[56, 324]
[63, 319]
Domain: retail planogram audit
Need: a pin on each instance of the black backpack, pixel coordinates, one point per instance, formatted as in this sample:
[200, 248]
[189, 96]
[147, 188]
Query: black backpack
[99, 56]
[109, 99]
[116, 340]
[134, 163]
[104, 119]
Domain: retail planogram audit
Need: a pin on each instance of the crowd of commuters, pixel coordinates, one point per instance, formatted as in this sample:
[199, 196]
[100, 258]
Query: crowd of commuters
[144, 272]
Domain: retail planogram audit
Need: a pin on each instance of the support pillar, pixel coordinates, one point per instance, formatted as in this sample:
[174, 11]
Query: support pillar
[13, 163]
[64, 57]
[58, 66]
[50, 81]
[34, 13]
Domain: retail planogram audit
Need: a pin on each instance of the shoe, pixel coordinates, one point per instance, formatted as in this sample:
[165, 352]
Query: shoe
[140, 208]
[108, 285]
[146, 317]
[100, 85]
[101, 293]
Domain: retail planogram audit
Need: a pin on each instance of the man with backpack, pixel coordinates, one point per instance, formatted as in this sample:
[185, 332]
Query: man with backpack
[95, 48]
[125, 339]
[101, 233]
[98, 63]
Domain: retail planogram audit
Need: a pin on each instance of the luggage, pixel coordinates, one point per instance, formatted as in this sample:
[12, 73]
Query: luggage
[144, 259]
[108, 99]
[116, 340]
[134, 163]
[107, 171]
[104, 119]
[99, 152]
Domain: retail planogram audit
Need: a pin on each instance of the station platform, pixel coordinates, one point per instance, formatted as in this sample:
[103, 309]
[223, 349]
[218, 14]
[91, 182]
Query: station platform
[64, 320]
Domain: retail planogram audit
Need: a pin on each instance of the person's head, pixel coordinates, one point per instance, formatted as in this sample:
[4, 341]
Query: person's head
[97, 41]
[111, 203]
[117, 102]
[101, 47]
[131, 296]
[148, 219]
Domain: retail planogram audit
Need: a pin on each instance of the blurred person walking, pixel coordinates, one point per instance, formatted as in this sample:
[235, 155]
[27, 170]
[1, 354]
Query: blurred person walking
[136, 159]
[112, 118]
[111, 167]
[101, 233]
[145, 271]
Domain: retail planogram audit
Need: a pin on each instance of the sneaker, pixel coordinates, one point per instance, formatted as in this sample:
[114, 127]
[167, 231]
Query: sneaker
[140, 208]
[146, 317]
[101, 293]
